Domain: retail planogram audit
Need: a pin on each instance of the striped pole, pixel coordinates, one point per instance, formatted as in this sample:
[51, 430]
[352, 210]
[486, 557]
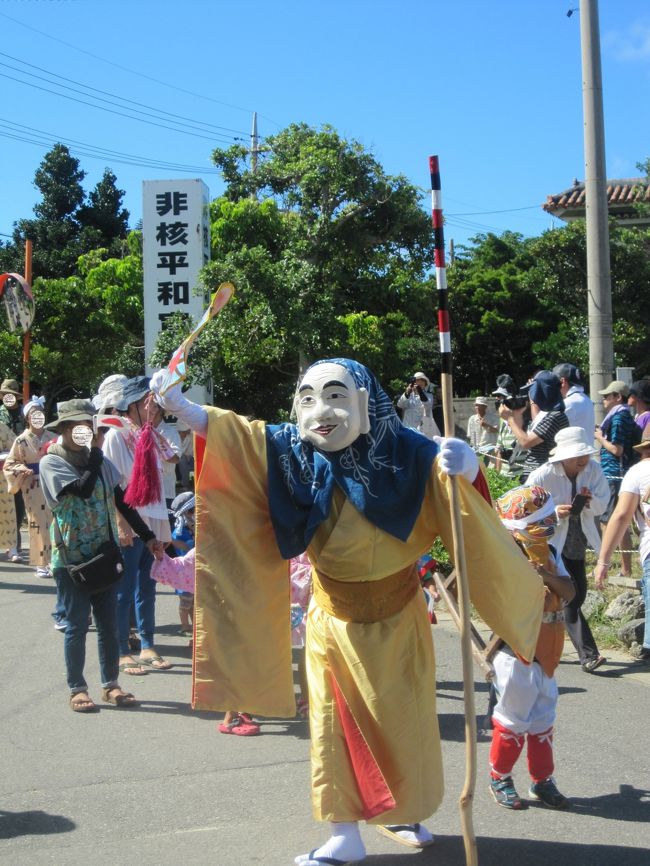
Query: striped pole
[467, 794]
[441, 268]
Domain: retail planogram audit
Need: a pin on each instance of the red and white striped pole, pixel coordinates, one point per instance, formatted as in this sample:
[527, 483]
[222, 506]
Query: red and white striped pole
[467, 794]
[441, 276]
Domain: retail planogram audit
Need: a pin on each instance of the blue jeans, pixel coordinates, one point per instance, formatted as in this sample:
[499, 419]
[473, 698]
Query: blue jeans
[136, 588]
[645, 589]
[78, 604]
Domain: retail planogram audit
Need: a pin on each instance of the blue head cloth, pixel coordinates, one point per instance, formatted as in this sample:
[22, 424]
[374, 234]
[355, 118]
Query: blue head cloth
[545, 391]
[383, 473]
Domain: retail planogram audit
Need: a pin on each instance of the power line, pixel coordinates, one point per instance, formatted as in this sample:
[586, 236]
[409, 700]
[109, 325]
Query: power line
[119, 113]
[113, 95]
[485, 212]
[90, 150]
[127, 69]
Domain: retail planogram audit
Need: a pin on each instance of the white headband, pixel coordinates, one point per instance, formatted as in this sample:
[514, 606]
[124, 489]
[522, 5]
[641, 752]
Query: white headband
[34, 403]
[540, 514]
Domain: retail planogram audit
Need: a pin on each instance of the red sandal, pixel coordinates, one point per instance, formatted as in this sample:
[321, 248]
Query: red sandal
[242, 725]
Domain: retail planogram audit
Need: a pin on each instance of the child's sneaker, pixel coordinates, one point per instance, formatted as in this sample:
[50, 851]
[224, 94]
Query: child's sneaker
[547, 793]
[505, 793]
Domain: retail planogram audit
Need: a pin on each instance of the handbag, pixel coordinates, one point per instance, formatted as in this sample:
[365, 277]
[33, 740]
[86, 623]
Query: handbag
[104, 568]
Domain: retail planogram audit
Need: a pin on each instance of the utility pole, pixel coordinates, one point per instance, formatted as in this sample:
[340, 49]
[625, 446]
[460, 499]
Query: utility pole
[254, 144]
[599, 288]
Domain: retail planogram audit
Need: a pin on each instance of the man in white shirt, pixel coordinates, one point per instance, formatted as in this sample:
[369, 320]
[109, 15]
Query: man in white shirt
[136, 589]
[578, 408]
[482, 428]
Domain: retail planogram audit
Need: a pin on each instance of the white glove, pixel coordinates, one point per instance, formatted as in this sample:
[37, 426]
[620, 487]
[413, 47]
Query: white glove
[175, 402]
[457, 458]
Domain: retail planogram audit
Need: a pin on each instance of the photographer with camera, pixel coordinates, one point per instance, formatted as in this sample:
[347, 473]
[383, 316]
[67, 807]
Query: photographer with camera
[416, 404]
[548, 418]
[509, 454]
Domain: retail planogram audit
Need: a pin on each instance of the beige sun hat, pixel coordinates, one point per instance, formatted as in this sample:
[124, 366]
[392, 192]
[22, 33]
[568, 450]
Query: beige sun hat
[645, 440]
[571, 442]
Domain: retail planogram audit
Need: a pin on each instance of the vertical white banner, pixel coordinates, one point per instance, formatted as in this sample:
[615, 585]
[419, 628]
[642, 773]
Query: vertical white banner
[175, 245]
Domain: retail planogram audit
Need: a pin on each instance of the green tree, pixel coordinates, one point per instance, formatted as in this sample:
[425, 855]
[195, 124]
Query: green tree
[65, 225]
[329, 255]
[103, 220]
[86, 326]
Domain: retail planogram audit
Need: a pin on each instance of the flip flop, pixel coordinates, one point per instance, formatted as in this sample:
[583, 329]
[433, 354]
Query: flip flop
[82, 705]
[121, 699]
[312, 860]
[393, 831]
[133, 669]
[157, 663]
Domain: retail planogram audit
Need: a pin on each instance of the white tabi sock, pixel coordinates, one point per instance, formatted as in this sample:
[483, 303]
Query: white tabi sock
[345, 844]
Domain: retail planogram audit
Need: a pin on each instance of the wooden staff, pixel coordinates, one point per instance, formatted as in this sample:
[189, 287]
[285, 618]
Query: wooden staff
[467, 794]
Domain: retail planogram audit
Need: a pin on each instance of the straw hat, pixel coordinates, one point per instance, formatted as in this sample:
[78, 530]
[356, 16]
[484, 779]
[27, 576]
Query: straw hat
[571, 442]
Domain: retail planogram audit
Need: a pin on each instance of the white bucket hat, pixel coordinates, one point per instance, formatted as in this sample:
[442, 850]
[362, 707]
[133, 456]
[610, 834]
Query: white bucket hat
[421, 375]
[480, 401]
[571, 442]
[109, 392]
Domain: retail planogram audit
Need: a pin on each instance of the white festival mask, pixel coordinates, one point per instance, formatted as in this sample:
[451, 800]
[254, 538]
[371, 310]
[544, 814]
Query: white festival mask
[37, 419]
[82, 435]
[332, 412]
[9, 400]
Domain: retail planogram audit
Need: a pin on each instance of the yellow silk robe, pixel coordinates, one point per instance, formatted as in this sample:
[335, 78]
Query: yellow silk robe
[380, 676]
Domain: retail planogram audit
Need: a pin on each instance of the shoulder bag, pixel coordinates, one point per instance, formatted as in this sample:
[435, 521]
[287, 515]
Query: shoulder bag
[104, 568]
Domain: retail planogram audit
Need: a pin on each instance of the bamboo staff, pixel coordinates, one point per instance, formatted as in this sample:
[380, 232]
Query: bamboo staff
[467, 794]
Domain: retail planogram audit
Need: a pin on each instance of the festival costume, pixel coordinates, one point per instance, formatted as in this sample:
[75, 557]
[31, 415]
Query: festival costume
[527, 694]
[264, 494]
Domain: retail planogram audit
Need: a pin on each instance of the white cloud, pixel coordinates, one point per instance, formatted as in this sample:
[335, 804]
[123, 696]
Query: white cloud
[632, 45]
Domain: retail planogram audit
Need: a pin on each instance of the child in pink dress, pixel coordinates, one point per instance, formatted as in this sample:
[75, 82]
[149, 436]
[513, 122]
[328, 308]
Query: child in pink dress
[300, 584]
[179, 573]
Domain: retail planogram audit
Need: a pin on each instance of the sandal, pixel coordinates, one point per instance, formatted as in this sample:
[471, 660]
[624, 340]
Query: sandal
[80, 702]
[133, 669]
[302, 708]
[118, 698]
[242, 726]
[156, 662]
[590, 666]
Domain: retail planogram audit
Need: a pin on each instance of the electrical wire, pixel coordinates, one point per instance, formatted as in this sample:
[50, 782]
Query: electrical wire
[120, 113]
[140, 105]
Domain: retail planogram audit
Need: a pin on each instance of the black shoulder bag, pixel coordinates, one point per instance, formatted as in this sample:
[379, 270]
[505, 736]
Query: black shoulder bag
[104, 568]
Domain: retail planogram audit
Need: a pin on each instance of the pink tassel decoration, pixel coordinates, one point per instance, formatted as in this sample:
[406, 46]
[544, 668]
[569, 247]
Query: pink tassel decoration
[145, 484]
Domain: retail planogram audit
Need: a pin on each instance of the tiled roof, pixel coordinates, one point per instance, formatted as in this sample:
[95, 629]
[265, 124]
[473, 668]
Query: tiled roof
[620, 194]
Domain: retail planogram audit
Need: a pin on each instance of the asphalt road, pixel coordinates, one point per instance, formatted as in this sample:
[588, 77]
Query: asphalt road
[158, 784]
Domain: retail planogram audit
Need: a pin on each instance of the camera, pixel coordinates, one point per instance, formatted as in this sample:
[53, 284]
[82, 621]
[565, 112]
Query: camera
[506, 393]
[512, 403]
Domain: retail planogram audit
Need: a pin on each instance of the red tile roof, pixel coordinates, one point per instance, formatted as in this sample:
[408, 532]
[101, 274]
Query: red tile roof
[620, 195]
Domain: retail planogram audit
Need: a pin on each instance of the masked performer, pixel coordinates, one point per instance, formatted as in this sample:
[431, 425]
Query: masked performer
[527, 694]
[365, 497]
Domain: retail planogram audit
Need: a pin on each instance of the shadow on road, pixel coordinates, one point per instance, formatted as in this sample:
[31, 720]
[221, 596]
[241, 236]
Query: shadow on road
[449, 851]
[36, 823]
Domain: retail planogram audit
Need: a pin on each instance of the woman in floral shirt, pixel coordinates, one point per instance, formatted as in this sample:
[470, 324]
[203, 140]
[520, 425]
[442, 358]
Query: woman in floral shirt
[81, 488]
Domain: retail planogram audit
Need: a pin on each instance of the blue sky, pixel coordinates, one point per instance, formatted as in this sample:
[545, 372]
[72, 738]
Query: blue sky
[494, 89]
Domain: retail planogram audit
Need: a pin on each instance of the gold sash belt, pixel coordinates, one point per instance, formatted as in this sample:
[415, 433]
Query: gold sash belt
[369, 601]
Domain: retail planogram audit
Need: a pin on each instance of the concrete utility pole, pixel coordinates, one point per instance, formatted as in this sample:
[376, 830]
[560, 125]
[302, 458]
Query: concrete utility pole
[599, 288]
[254, 143]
